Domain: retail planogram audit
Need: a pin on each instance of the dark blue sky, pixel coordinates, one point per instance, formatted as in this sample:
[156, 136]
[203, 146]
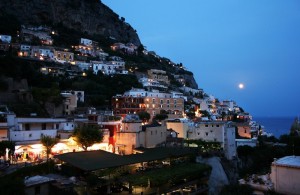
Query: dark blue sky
[224, 43]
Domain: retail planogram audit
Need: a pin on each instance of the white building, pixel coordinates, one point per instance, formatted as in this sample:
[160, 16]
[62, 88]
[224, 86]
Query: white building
[5, 38]
[84, 41]
[134, 92]
[231, 104]
[208, 104]
[176, 94]
[27, 132]
[25, 47]
[111, 67]
[285, 175]
[31, 129]
[150, 83]
[42, 52]
[83, 65]
[191, 90]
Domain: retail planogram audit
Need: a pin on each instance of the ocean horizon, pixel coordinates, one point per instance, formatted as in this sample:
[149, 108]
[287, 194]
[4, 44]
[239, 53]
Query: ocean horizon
[276, 125]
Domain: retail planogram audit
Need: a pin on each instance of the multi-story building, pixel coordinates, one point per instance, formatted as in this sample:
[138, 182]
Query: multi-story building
[25, 51]
[42, 52]
[54, 71]
[133, 135]
[285, 175]
[83, 66]
[42, 33]
[111, 124]
[152, 84]
[128, 48]
[208, 104]
[123, 105]
[231, 104]
[63, 56]
[136, 100]
[158, 75]
[191, 90]
[88, 42]
[216, 131]
[181, 127]
[27, 133]
[110, 67]
[70, 100]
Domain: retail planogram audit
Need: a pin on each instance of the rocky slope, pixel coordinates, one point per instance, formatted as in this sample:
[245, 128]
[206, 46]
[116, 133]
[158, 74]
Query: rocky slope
[88, 16]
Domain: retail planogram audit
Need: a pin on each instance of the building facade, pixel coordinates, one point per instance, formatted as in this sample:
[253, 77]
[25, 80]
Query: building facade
[133, 135]
[153, 102]
[285, 175]
[158, 75]
[216, 131]
[63, 56]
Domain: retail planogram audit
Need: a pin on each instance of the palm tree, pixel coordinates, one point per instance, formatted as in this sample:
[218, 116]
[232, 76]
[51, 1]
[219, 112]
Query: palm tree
[4, 145]
[48, 142]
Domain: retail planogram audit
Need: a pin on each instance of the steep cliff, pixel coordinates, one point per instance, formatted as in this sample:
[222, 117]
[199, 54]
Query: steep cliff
[88, 16]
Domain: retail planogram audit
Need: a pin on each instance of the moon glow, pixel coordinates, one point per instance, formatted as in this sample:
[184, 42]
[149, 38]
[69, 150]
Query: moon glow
[241, 86]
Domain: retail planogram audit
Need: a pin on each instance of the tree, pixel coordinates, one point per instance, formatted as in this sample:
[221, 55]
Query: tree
[295, 127]
[48, 142]
[144, 116]
[160, 117]
[87, 135]
[204, 113]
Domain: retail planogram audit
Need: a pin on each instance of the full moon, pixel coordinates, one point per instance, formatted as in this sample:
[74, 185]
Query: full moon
[241, 86]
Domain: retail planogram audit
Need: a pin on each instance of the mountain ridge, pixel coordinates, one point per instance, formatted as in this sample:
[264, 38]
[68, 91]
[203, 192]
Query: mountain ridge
[88, 16]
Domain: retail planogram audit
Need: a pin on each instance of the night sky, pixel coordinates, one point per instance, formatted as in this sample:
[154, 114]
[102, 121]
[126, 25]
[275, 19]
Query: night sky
[224, 43]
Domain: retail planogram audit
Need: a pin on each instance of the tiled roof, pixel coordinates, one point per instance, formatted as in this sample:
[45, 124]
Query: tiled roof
[293, 161]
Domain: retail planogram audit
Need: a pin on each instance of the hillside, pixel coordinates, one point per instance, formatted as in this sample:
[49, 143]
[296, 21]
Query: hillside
[72, 20]
[90, 17]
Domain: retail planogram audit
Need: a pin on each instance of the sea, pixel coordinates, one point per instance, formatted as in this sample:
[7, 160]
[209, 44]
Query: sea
[275, 125]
